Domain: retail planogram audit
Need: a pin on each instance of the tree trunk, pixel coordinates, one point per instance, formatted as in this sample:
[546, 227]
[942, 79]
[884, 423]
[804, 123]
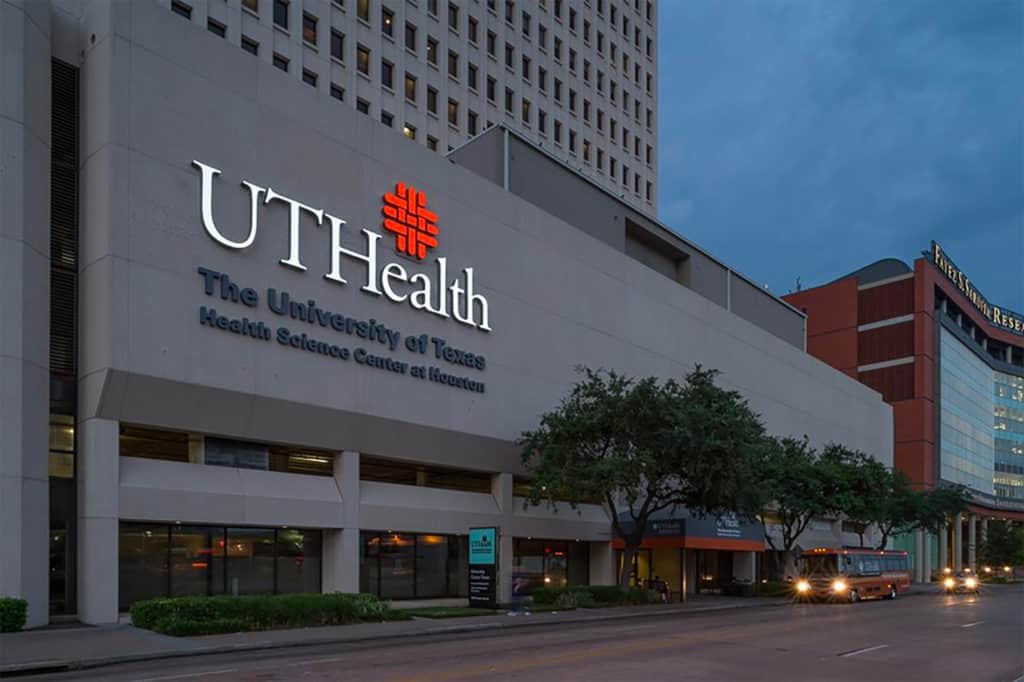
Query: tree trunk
[627, 564]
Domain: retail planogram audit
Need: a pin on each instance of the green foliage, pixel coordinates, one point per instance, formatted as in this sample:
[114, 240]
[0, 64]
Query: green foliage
[939, 504]
[593, 596]
[182, 616]
[861, 487]
[643, 446]
[1003, 545]
[12, 614]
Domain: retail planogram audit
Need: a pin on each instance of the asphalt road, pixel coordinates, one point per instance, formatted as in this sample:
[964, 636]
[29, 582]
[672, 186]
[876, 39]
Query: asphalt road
[926, 637]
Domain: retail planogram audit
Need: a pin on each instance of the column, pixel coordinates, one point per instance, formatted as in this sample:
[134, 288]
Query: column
[24, 300]
[926, 557]
[98, 502]
[958, 542]
[744, 566]
[972, 550]
[501, 489]
[944, 547]
[919, 575]
[602, 564]
[341, 545]
[983, 532]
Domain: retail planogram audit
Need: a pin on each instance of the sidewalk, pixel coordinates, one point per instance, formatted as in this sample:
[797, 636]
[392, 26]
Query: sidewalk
[52, 650]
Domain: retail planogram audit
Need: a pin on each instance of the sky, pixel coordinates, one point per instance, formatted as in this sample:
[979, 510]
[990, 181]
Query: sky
[808, 138]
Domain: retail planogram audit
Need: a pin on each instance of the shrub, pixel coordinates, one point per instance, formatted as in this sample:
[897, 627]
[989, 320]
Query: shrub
[567, 601]
[12, 614]
[590, 596]
[182, 616]
[607, 594]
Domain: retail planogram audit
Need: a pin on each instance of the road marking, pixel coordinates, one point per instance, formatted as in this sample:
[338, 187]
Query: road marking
[187, 675]
[858, 652]
[971, 625]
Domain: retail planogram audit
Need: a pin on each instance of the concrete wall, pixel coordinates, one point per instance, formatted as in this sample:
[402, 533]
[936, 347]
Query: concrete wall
[24, 299]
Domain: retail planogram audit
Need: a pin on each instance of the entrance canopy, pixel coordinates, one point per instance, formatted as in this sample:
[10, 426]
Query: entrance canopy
[725, 532]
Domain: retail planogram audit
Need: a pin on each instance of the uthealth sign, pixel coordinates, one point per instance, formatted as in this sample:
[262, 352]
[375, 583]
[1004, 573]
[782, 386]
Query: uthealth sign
[405, 215]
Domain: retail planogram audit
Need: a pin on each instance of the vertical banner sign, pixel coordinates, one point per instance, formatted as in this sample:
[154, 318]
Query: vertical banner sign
[483, 568]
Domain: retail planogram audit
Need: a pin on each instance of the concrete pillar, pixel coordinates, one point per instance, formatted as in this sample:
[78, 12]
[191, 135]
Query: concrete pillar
[944, 547]
[24, 300]
[919, 575]
[744, 566]
[602, 564]
[983, 531]
[341, 545]
[958, 542]
[502, 490]
[972, 550]
[926, 557]
[98, 498]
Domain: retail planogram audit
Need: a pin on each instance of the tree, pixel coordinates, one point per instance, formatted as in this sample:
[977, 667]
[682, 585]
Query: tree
[643, 446]
[1003, 545]
[900, 508]
[862, 487]
[794, 486]
[939, 504]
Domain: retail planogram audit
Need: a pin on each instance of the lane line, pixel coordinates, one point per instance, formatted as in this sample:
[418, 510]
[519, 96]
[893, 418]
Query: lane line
[187, 675]
[858, 652]
[971, 625]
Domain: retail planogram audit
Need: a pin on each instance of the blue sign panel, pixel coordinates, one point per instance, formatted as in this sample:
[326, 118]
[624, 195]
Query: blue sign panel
[482, 546]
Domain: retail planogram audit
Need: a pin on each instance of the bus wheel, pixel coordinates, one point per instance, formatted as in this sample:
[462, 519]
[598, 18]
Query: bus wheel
[854, 596]
[892, 592]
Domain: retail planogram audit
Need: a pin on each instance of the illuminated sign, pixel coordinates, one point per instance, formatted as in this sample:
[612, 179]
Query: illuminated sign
[483, 567]
[999, 317]
[405, 215]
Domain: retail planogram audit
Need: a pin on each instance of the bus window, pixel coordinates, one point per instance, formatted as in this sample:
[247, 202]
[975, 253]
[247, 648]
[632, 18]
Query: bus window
[847, 566]
[818, 565]
[870, 566]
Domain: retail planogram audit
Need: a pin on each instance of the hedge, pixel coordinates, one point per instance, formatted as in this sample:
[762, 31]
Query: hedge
[12, 614]
[186, 616]
[586, 596]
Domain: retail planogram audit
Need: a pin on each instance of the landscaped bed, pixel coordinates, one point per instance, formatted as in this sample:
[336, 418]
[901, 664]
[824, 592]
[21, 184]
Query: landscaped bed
[187, 616]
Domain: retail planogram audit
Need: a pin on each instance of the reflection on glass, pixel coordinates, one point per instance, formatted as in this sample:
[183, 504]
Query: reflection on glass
[431, 566]
[396, 566]
[142, 556]
[298, 560]
[250, 559]
[197, 556]
[369, 563]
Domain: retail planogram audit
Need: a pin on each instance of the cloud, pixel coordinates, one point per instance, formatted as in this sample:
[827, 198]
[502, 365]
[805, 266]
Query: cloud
[809, 138]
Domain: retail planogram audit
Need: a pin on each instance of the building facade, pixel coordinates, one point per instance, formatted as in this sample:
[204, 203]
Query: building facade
[952, 365]
[257, 342]
[577, 78]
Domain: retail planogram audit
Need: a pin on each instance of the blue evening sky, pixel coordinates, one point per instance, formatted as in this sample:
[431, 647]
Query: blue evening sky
[811, 137]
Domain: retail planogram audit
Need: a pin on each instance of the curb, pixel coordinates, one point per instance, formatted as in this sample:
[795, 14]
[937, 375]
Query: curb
[66, 665]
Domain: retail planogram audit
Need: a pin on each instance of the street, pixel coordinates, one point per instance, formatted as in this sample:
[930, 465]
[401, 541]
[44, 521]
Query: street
[921, 637]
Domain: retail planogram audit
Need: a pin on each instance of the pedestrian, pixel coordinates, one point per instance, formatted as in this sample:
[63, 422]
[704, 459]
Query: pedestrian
[520, 592]
[661, 587]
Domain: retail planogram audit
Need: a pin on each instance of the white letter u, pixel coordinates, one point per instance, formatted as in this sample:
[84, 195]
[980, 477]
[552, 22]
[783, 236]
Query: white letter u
[206, 204]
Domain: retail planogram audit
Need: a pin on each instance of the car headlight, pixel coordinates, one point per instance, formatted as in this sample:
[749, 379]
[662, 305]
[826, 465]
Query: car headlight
[971, 583]
[838, 586]
[803, 586]
[949, 583]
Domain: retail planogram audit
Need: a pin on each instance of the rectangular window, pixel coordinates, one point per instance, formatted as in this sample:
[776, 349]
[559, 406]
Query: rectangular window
[471, 76]
[526, 24]
[510, 12]
[431, 143]
[250, 45]
[558, 132]
[363, 60]
[558, 49]
[453, 64]
[216, 28]
[650, 190]
[409, 131]
[363, 10]
[337, 45]
[410, 37]
[387, 118]
[432, 7]
[586, 110]
[572, 100]
[309, 78]
[492, 88]
[362, 106]
[337, 92]
[586, 151]
[510, 97]
[410, 87]
[281, 13]
[453, 17]
[572, 141]
[526, 68]
[431, 100]
[387, 74]
[471, 122]
[280, 62]
[572, 19]
[431, 51]
[600, 160]
[387, 22]
[542, 122]
[650, 154]
[492, 44]
[453, 112]
[510, 55]
[251, 5]
[542, 79]
[309, 23]
[526, 111]
[181, 9]
[473, 30]
[542, 36]
[558, 91]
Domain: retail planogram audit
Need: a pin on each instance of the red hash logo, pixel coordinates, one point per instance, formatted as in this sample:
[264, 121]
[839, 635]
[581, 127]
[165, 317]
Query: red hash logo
[406, 214]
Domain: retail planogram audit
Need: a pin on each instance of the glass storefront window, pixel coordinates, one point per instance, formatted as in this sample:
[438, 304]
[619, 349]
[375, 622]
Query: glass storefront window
[250, 561]
[397, 567]
[197, 560]
[234, 453]
[552, 563]
[153, 444]
[369, 564]
[62, 446]
[298, 560]
[142, 557]
[431, 566]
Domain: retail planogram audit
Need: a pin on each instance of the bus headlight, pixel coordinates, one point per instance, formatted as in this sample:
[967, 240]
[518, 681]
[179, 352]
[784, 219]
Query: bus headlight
[838, 586]
[949, 583]
[971, 583]
[803, 587]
